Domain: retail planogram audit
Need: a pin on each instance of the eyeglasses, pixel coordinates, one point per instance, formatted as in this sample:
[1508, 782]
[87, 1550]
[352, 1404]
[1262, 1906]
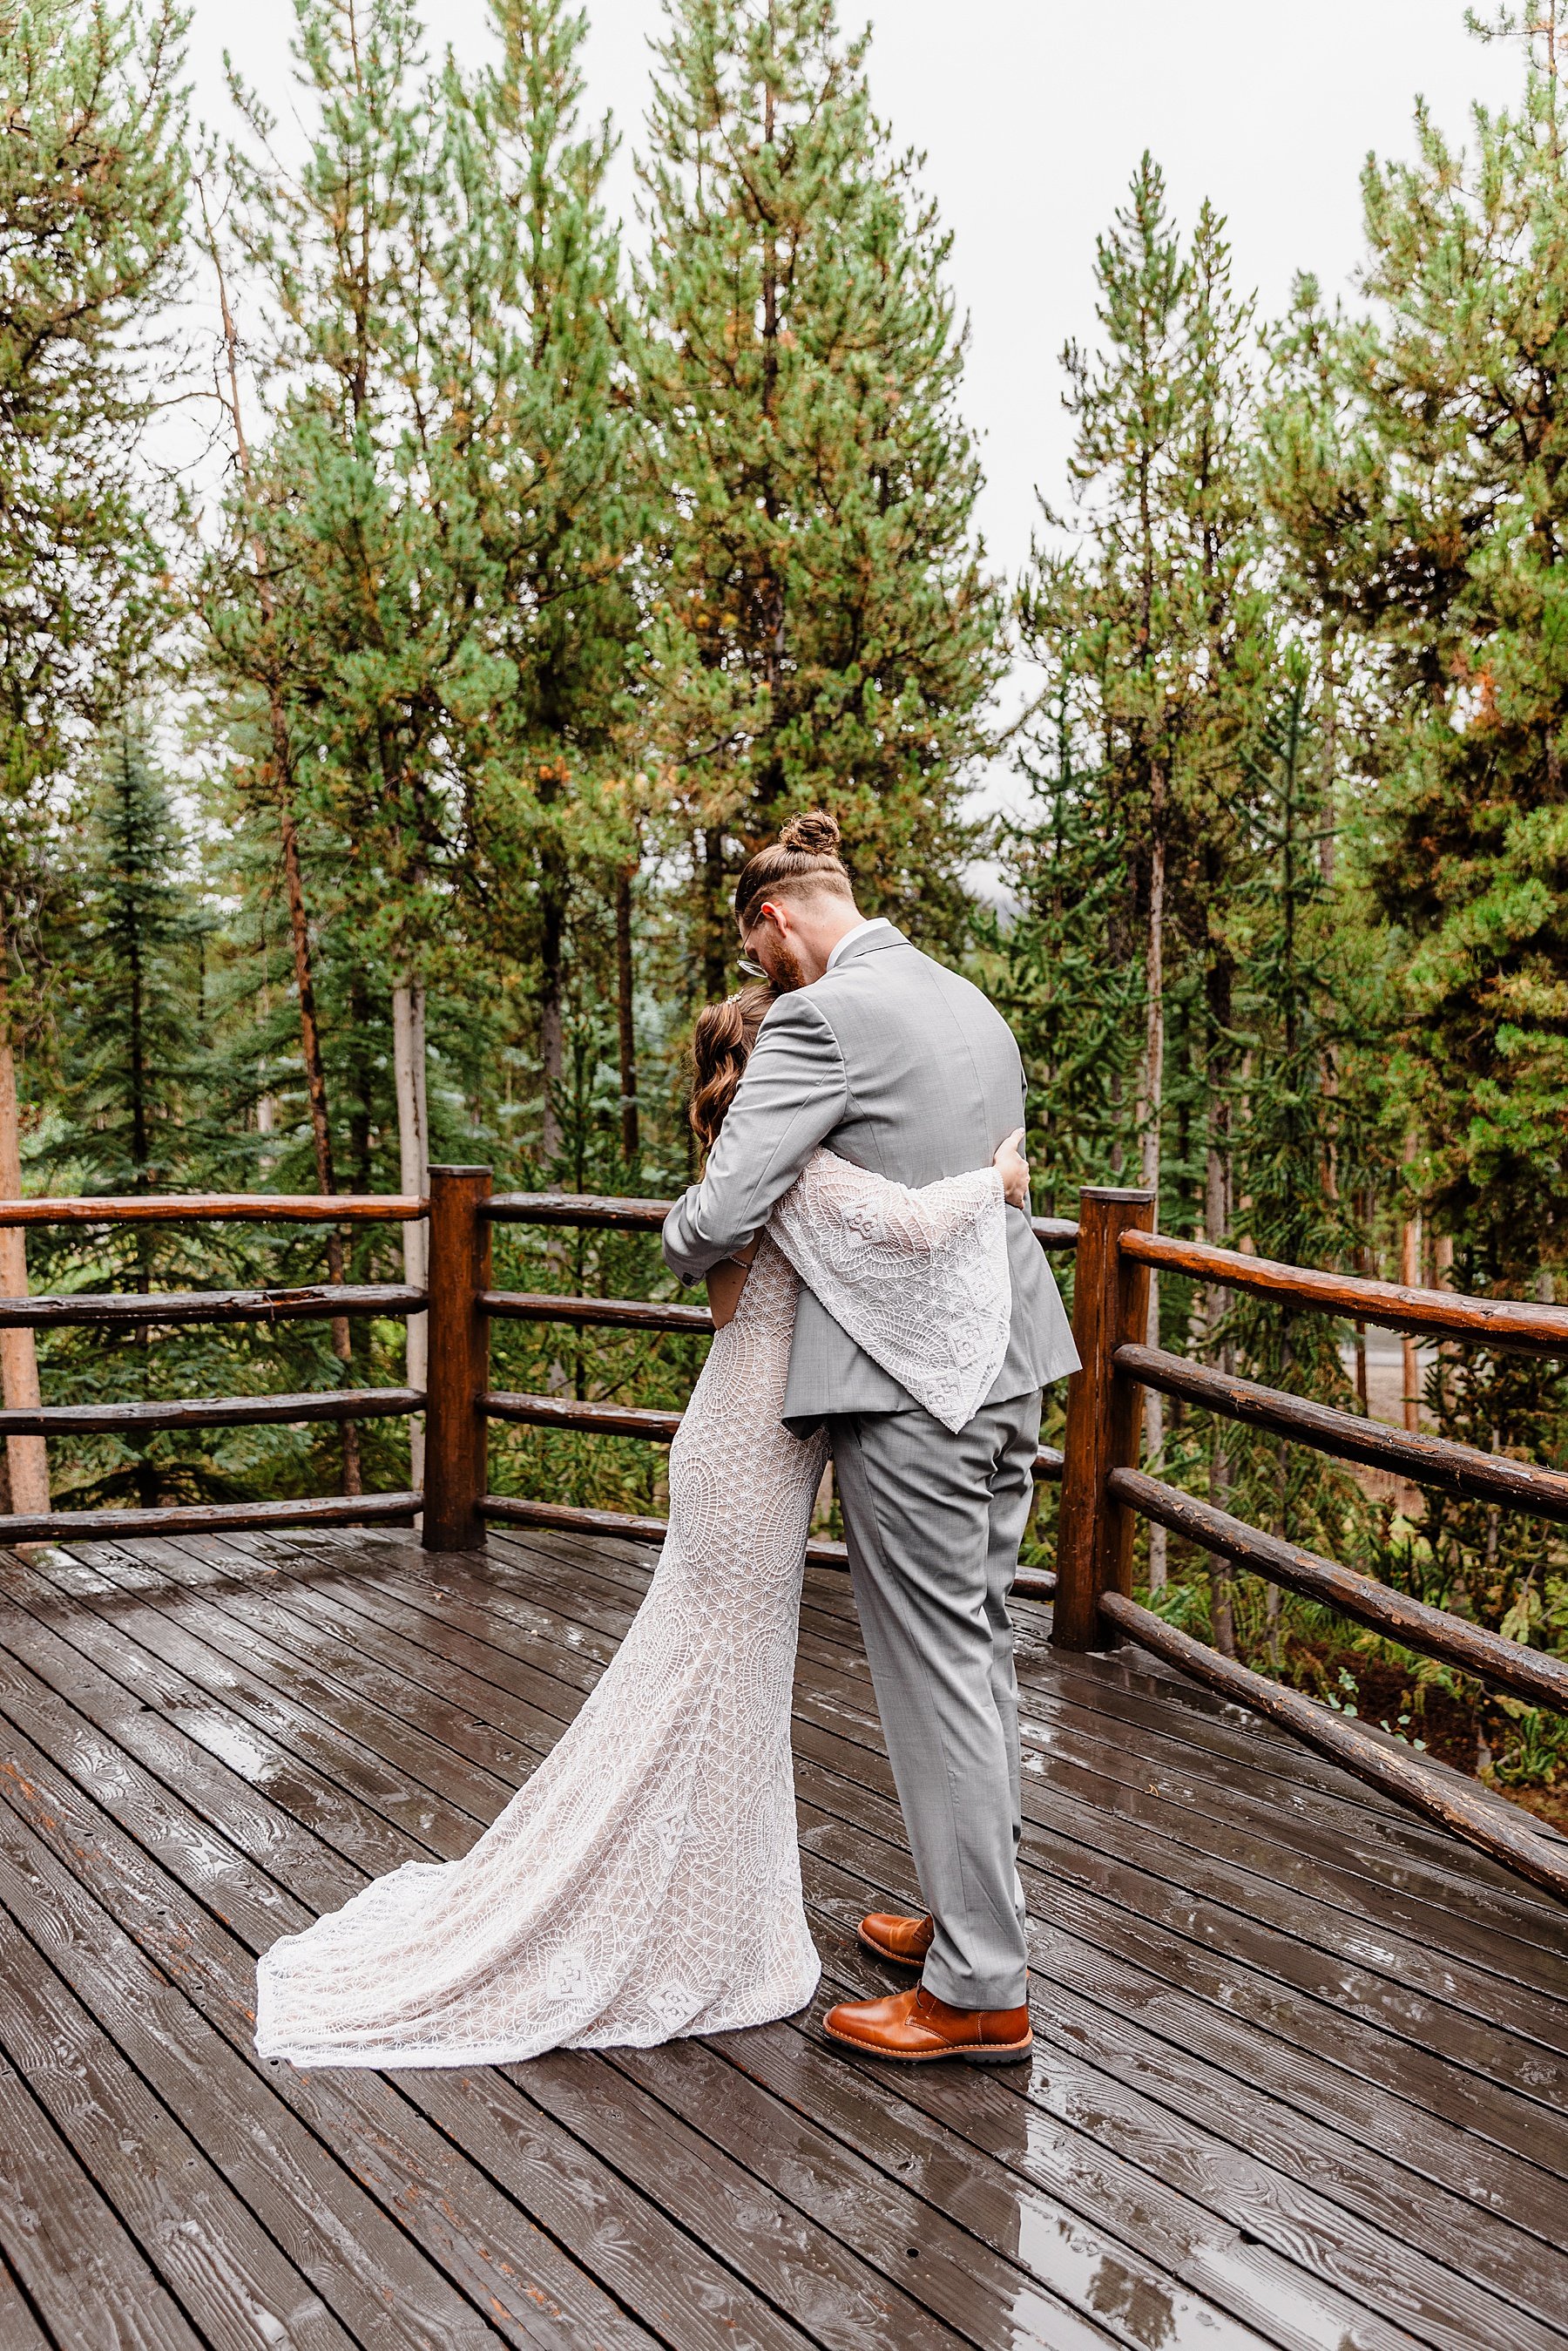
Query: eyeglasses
[753, 970]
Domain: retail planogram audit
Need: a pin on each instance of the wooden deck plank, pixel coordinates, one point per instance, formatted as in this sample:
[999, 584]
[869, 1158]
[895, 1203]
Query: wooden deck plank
[1136, 2199]
[1295, 2074]
[79, 2266]
[703, 2307]
[1382, 1977]
[1557, 2281]
[1141, 2280]
[1091, 1692]
[1546, 2133]
[19, 2329]
[218, 2262]
[1447, 2338]
[181, 1888]
[1292, 1852]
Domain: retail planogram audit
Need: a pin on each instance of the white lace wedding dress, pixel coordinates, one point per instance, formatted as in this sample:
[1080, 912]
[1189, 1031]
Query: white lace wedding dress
[645, 1881]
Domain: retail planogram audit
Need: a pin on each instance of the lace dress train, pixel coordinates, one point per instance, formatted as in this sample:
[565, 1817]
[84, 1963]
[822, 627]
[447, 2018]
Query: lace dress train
[645, 1881]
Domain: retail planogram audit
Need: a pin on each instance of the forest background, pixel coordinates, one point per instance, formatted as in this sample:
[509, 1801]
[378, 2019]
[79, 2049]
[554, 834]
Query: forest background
[387, 805]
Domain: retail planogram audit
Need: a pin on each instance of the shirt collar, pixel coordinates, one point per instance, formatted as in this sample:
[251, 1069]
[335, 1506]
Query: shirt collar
[872, 923]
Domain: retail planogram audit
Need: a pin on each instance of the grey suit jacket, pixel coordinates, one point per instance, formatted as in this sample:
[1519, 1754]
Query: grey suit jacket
[897, 1064]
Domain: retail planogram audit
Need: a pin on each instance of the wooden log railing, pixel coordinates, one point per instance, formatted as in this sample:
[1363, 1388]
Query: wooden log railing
[598, 1418]
[310, 1301]
[1105, 1494]
[1104, 1491]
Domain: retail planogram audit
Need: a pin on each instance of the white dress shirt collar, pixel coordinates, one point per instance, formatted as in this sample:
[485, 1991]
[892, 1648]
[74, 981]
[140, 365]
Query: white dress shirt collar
[872, 923]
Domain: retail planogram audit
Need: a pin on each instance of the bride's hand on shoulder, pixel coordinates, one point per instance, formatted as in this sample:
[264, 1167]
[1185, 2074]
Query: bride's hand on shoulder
[1014, 1169]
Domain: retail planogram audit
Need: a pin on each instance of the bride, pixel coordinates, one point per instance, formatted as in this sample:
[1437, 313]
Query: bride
[645, 1881]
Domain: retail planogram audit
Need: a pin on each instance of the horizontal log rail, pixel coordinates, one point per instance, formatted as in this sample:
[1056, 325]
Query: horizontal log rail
[1528, 1674]
[1460, 1470]
[1455, 1804]
[632, 1420]
[219, 1207]
[598, 1209]
[593, 1419]
[211, 1411]
[319, 1301]
[1440, 1313]
[609, 1314]
[588, 1209]
[515, 1509]
[211, 1518]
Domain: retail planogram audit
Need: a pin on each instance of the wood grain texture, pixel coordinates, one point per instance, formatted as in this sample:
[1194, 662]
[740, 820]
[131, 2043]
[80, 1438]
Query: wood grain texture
[1460, 1470]
[1110, 1307]
[217, 1207]
[1442, 1796]
[1529, 1674]
[212, 1412]
[89, 1309]
[612, 1313]
[1439, 1313]
[195, 1518]
[457, 1372]
[1287, 2091]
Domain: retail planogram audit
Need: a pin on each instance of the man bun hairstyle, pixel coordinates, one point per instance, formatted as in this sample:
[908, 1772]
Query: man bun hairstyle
[803, 863]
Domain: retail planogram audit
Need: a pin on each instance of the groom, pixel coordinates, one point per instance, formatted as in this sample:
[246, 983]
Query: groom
[900, 1066]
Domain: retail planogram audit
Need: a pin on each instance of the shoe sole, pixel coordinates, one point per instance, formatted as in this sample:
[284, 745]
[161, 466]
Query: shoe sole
[880, 1951]
[1000, 2052]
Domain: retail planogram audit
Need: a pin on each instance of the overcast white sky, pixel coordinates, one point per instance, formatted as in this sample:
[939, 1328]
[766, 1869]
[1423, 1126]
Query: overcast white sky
[1032, 114]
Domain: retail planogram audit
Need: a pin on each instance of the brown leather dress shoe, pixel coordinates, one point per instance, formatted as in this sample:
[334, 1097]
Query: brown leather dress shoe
[907, 1940]
[916, 2026]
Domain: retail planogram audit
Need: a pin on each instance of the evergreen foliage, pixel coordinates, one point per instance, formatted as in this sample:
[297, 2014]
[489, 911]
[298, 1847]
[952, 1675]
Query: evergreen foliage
[542, 587]
[822, 631]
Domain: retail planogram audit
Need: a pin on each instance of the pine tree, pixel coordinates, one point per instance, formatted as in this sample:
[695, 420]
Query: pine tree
[1155, 645]
[823, 629]
[92, 183]
[130, 1098]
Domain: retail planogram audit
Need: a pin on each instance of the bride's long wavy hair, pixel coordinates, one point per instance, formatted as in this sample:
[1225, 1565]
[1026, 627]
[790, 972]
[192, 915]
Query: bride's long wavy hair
[721, 1045]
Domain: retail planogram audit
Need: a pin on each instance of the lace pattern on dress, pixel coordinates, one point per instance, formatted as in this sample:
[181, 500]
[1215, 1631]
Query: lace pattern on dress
[919, 1278]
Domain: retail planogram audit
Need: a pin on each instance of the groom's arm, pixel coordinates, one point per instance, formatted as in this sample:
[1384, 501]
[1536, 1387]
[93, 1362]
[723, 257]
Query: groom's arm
[793, 1095]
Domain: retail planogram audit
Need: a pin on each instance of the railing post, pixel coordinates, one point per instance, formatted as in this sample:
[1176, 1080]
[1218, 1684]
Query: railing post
[459, 1359]
[1110, 1308]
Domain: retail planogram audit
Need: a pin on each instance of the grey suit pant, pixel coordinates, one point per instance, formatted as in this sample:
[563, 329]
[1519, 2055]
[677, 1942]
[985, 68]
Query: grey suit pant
[934, 1524]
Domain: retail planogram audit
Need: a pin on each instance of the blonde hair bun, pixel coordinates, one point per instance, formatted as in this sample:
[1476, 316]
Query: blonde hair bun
[813, 833]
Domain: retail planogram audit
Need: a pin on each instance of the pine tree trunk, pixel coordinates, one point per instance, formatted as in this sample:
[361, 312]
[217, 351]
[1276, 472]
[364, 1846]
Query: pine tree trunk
[1153, 1099]
[1410, 1275]
[1216, 1220]
[26, 1458]
[316, 1090]
[625, 978]
[294, 883]
[552, 1035]
[715, 928]
[414, 1176]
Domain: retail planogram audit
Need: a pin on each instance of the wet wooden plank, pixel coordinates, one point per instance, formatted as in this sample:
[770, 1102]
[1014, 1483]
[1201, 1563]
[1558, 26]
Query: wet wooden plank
[1382, 1977]
[358, 2260]
[281, 1688]
[215, 2259]
[1323, 1862]
[500, 2259]
[700, 2306]
[80, 2267]
[19, 2330]
[1138, 2202]
[1276, 2120]
[1376, 2245]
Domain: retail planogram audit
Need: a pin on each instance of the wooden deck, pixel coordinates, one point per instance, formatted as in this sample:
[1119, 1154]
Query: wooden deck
[1300, 2066]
